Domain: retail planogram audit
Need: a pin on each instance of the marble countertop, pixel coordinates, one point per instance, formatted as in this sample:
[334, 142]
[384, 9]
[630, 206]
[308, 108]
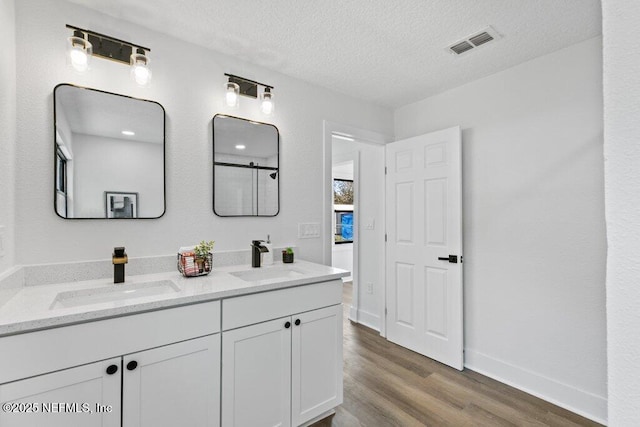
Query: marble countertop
[31, 308]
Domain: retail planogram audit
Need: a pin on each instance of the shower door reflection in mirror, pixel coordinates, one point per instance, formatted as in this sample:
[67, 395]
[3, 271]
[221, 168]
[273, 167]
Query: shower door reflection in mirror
[109, 155]
[245, 168]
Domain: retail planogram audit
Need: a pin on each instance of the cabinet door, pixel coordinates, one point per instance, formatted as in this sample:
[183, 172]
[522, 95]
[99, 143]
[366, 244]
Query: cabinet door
[256, 375]
[316, 359]
[174, 385]
[68, 398]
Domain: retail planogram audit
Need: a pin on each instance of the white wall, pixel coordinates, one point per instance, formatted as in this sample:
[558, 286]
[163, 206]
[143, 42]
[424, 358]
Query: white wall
[188, 82]
[534, 231]
[622, 190]
[7, 132]
[370, 247]
[109, 164]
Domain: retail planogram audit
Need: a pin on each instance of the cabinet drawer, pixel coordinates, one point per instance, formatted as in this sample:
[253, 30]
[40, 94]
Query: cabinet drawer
[256, 308]
[49, 350]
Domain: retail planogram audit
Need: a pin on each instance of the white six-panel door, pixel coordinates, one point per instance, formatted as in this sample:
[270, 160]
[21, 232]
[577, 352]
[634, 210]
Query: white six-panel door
[424, 223]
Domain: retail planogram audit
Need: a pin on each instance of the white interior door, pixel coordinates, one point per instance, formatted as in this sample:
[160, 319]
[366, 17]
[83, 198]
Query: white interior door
[424, 228]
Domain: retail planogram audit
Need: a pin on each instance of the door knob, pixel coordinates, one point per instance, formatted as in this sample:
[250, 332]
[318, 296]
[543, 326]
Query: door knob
[132, 365]
[287, 325]
[297, 322]
[112, 369]
[451, 258]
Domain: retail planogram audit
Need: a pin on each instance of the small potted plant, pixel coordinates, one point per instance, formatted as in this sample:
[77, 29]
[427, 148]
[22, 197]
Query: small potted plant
[204, 256]
[287, 255]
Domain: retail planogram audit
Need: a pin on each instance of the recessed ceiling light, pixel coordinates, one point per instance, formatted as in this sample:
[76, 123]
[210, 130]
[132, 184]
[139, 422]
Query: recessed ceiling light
[128, 132]
[240, 147]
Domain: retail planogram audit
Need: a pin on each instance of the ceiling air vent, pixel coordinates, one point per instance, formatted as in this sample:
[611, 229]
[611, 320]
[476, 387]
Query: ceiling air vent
[474, 40]
[461, 47]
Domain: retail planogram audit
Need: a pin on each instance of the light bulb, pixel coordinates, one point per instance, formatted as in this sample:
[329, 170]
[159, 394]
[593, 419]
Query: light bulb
[79, 52]
[267, 102]
[232, 91]
[140, 72]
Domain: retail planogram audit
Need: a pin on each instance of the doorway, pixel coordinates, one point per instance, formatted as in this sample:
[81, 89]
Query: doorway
[354, 162]
[344, 191]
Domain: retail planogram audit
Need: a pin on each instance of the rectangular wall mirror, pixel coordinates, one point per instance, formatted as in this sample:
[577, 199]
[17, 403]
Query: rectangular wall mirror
[246, 176]
[109, 155]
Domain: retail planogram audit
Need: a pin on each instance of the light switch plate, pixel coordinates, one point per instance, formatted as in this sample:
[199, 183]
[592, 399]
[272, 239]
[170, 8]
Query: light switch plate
[309, 230]
[369, 223]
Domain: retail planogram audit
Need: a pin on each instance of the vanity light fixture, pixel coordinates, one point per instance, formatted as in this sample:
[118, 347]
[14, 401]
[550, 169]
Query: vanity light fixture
[231, 91]
[79, 51]
[267, 101]
[85, 43]
[241, 86]
[140, 72]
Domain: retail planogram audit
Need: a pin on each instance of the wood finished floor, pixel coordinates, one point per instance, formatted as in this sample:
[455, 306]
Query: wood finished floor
[388, 385]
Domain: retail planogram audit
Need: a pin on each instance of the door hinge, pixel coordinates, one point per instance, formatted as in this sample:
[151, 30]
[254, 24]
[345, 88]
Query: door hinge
[385, 237]
[385, 170]
[385, 311]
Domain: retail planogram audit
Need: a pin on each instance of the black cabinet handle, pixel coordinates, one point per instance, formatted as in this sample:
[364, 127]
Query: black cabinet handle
[287, 325]
[132, 365]
[298, 322]
[112, 369]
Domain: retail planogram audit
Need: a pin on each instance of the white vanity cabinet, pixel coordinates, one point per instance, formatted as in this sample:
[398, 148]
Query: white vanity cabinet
[269, 355]
[159, 384]
[64, 399]
[174, 385]
[282, 355]
[256, 375]
[316, 363]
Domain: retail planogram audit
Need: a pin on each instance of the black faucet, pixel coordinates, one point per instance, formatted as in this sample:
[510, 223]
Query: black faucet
[119, 259]
[256, 250]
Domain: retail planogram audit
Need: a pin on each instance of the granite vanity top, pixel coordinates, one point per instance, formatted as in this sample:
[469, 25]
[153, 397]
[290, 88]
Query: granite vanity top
[31, 308]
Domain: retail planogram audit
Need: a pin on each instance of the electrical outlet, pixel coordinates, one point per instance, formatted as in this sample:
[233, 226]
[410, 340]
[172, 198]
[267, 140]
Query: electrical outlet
[369, 287]
[369, 223]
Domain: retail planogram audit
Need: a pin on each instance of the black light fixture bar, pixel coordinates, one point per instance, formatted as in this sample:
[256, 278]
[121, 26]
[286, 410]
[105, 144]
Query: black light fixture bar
[110, 47]
[247, 87]
[250, 166]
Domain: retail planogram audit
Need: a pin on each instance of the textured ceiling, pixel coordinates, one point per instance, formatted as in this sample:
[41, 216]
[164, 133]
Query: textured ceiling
[389, 52]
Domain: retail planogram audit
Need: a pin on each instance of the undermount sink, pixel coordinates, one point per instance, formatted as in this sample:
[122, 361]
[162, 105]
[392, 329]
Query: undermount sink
[112, 293]
[260, 274]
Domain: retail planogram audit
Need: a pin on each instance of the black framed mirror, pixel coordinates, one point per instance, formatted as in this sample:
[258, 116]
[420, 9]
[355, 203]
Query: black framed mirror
[109, 152]
[246, 167]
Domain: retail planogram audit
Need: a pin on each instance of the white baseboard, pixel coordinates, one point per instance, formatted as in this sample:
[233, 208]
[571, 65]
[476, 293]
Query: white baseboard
[367, 319]
[566, 396]
[353, 314]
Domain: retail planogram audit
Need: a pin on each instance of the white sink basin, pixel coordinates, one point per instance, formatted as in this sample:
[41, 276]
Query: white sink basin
[261, 274]
[112, 293]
